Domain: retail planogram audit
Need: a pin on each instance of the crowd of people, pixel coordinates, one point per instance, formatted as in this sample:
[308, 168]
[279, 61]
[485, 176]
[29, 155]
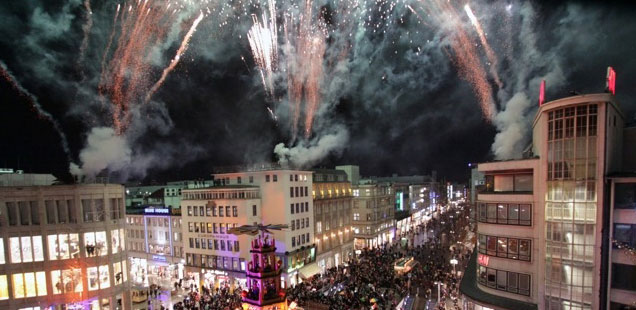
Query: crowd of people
[371, 282]
[211, 299]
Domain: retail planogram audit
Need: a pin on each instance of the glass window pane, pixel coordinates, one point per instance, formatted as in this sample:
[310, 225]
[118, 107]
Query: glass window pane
[56, 282]
[35, 213]
[29, 281]
[18, 286]
[12, 213]
[104, 278]
[40, 278]
[2, 261]
[53, 248]
[14, 246]
[4, 288]
[502, 278]
[27, 250]
[93, 282]
[38, 250]
[24, 212]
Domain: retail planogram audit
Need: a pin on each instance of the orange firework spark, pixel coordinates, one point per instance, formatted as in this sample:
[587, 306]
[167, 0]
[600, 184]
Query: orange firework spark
[482, 37]
[175, 60]
[465, 56]
[125, 78]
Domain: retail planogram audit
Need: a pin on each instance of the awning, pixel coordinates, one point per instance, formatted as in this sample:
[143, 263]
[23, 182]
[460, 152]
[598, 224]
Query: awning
[310, 270]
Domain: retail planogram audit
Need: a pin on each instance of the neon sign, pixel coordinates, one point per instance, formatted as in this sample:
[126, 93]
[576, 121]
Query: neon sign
[157, 211]
[542, 93]
[159, 258]
[483, 259]
[611, 80]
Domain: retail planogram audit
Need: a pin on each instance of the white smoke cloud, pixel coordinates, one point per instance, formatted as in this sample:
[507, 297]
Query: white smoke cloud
[104, 150]
[308, 153]
[532, 65]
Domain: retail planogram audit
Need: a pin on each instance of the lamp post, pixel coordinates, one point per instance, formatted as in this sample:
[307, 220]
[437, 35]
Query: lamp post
[439, 291]
[454, 262]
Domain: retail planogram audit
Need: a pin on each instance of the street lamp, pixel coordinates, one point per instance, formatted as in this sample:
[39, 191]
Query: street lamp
[454, 262]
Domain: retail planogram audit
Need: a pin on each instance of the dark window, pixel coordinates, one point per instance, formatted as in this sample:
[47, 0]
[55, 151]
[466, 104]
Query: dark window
[221, 211]
[297, 208]
[99, 209]
[251, 179]
[234, 211]
[291, 192]
[275, 178]
[510, 214]
[267, 178]
[238, 180]
[227, 211]
[623, 277]
[12, 213]
[87, 210]
[625, 233]
[24, 212]
[625, 196]
[201, 211]
[291, 208]
[306, 191]
[50, 211]
[296, 191]
[296, 177]
[253, 210]
[35, 212]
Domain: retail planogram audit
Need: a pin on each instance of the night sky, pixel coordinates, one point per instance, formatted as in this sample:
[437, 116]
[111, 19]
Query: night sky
[401, 86]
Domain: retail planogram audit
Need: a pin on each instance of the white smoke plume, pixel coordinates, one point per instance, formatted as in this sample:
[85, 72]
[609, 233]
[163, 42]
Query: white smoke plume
[308, 153]
[104, 150]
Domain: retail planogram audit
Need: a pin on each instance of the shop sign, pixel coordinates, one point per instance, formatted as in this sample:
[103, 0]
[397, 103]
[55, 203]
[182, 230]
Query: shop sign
[159, 258]
[483, 259]
[156, 211]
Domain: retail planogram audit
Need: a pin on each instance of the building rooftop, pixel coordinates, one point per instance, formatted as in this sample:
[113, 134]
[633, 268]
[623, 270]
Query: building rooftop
[469, 287]
[220, 187]
[9, 177]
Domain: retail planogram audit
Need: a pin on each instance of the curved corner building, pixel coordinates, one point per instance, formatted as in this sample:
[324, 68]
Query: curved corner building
[62, 246]
[540, 219]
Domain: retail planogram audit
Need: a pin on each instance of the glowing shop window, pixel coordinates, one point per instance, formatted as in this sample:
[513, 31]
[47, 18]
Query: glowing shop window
[63, 246]
[29, 284]
[118, 273]
[2, 261]
[4, 288]
[96, 244]
[122, 241]
[93, 282]
[123, 265]
[40, 277]
[104, 279]
[66, 281]
[26, 249]
[27, 252]
[117, 237]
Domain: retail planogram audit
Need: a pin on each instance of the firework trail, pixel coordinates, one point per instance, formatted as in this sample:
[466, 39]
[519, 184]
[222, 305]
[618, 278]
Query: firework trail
[86, 28]
[35, 105]
[482, 37]
[175, 60]
[104, 57]
[465, 56]
[263, 40]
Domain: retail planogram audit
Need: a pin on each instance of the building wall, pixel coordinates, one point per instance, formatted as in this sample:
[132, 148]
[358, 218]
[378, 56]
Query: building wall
[332, 215]
[63, 244]
[622, 266]
[208, 245]
[373, 215]
[508, 220]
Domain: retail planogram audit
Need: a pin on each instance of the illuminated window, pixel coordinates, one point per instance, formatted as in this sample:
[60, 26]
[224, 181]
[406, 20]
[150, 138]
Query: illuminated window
[26, 249]
[63, 246]
[29, 284]
[117, 237]
[96, 244]
[104, 279]
[119, 275]
[93, 282]
[4, 288]
[66, 281]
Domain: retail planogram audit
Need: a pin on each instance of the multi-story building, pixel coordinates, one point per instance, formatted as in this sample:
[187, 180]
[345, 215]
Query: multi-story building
[333, 199]
[373, 214]
[543, 221]
[155, 245]
[254, 195]
[62, 246]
